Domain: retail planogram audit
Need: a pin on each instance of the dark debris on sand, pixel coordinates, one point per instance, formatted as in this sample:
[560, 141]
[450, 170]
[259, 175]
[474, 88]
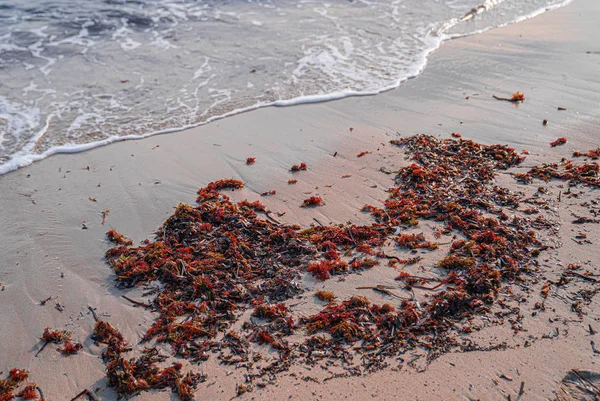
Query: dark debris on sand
[219, 259]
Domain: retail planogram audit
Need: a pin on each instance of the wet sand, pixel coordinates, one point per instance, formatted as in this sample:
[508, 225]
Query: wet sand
[553, 59]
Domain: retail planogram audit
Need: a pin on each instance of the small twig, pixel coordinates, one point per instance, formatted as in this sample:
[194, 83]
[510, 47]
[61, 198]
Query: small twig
[351, 236]
[85, 392]
[427, 288]
[133, 301]
[414, 359]
[268, 214]
[381, 288]
[104, 215]
[592, 331]
[41, 349]
[93, 313]
[586, 381]
[40, 392]
[583, 277]
[420, 278]
[387, 171]
[315, 219]
[507, 99]
[522, 389]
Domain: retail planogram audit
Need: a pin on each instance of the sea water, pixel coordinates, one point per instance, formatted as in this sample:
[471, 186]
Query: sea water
[75, 74]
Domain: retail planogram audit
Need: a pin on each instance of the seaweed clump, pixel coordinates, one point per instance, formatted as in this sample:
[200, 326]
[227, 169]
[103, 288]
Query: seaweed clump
[118, 238]
[60, 337]
[9, 387]
[565, 170]
[130, 377]
[313, 201]
[298, 167]
[219, 259]
[593, 154]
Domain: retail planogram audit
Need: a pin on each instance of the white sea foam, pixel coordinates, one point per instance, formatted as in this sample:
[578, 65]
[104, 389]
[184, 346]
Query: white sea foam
[162, 66]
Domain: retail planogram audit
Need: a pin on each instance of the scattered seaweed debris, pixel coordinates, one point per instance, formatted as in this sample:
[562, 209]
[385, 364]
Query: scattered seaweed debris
[269, 193]
[291, 182]
[250, 161]
[593, 154]
[364, 153]
[104, 216]
[326, 296]
[579, 385]
[18, 375]
[129, 377]
[414, 241]
[324, 269]
[228, 183]
[558, 142]
[565, 170]
[9, 387]
[60, 337]
[118, 238]
[516, 97]
[104, 332]
[456, 135]
[55, 336]
[218, 260]
[312, 201]
[298, 167]
[70, 348]
[30, 392]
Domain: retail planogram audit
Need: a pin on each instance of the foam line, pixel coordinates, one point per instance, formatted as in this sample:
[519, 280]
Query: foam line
[25, 156]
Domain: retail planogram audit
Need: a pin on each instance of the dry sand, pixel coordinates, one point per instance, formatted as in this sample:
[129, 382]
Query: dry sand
[554, 59]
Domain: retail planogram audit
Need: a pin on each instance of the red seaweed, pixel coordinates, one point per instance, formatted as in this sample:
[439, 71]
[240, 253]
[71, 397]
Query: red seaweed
[298, 167]
[312, 201]
[70, 348]
[217, 260]
[118, 238]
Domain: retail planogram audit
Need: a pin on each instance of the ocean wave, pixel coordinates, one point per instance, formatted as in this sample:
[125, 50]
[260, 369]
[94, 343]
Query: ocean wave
[77, 78]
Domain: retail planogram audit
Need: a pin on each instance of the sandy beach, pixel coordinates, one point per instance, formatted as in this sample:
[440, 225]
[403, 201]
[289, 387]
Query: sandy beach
[55, 214]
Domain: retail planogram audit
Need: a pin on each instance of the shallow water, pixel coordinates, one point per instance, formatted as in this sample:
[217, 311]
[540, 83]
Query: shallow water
[78, 74]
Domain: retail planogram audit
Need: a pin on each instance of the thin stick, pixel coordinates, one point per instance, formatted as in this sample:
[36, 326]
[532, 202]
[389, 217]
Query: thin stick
[507, 99]
[268, 214]
[41, 349]
[522, 389]
[351, 236]
[582, 276]
[133, 301]
[85, 392]
[427, 288]
[586, 381]
[382, 289]
[421, 278]
[93, 313]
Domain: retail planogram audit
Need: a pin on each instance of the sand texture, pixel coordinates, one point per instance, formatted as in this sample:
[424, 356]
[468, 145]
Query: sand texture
[54, 215]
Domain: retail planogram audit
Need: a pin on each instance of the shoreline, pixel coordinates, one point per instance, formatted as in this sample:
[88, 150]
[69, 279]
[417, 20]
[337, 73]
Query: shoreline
[141, 181]
[28, 158]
